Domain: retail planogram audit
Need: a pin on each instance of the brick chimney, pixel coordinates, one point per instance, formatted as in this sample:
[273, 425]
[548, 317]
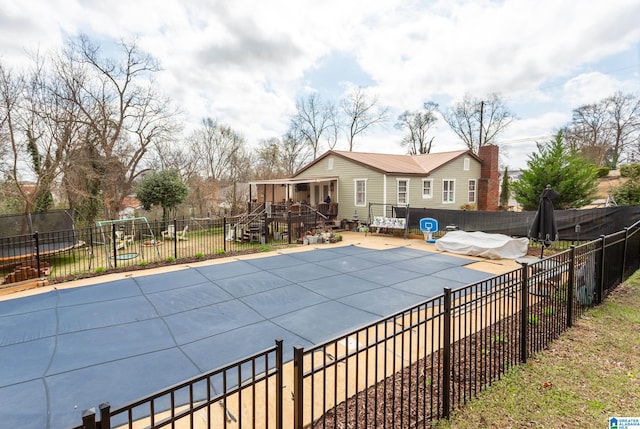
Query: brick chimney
[489, 183]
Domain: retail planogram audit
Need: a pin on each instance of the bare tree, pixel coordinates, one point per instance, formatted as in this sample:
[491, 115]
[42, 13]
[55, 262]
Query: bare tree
[295, 153]
[174, 155]
[41, 128]
[9, 94]
[478, 122]
[221, 156]
[604, 131]
[361, 112]
[624, 111]
[119, 103]
[277, 158]
[588, 133]
[213, 146]
[417, 124]
[268, 162]
[313, 121]
[11, 89]
[239, 173]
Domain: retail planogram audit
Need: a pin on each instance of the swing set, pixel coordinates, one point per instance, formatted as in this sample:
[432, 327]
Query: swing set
[119, 237]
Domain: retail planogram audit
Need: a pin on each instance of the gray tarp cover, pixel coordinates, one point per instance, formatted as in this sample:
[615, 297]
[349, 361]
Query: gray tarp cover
[478, 243]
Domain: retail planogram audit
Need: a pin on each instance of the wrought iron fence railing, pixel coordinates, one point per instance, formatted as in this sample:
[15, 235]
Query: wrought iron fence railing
[138, 243]
[247, 393]
[416, 365]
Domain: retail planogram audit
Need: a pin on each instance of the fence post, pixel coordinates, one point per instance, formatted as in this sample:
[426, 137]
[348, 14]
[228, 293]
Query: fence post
[89, 419]
[265, 228]
[37, 240]
[624, 255]
[279, 384]
[115, 245]
[571, 285]
[524, 310]
[289, 232]
[600, 289]
[175, 239]
[224, 234]
[446, 356]
[298, 387]
[105, 416]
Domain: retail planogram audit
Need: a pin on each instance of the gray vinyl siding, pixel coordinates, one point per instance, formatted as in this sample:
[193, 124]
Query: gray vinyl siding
[348, 171]
[452, 171]
[455, 171]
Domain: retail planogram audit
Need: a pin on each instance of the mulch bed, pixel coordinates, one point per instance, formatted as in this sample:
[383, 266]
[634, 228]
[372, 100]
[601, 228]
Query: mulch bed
[412, 397]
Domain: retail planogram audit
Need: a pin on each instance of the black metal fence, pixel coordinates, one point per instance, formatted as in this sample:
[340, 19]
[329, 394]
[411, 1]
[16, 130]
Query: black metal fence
[128, 244]
[410, 368]
[415, 366]
[247, 393]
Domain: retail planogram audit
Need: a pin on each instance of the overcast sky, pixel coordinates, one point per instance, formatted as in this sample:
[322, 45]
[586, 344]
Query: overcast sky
[245, 62]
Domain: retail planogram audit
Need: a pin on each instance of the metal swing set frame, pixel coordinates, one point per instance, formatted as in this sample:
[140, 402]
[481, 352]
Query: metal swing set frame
[116, 236]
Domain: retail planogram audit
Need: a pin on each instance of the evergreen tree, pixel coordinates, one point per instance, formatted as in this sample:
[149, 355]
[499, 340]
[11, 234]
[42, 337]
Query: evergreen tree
[628, 193]
[505, 190]
[164, 188]
[574, 178]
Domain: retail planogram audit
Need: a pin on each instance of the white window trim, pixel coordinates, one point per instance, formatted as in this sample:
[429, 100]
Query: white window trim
[452, 193]
[398, 180]
[475, 191]
[355, 192]
[430, 189]
[330, 164]
[466, 163]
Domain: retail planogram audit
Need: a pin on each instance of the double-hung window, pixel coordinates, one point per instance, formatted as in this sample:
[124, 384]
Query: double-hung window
[472, 191]
[360, 192]
[448, 191]
[427, 188]
[403, 192]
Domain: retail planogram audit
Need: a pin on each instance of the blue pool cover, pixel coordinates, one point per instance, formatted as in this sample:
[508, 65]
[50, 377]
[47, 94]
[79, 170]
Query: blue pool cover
[71, 349]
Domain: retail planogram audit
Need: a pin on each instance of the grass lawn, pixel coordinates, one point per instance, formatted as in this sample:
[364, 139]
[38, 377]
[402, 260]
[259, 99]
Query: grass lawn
[591, 373]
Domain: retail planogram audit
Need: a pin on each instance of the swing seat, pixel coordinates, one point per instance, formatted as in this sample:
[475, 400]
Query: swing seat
[126, 256]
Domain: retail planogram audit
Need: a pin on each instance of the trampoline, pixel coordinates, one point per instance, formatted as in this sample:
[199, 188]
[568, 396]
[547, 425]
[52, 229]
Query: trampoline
[71, 349]
[12, 254]
[56, 234]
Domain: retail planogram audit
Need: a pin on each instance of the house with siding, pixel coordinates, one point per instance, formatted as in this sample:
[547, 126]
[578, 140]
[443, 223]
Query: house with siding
[352, 180]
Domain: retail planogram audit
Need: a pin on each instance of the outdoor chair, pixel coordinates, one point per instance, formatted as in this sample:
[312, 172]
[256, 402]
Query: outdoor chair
[183, 234]
[170, 232]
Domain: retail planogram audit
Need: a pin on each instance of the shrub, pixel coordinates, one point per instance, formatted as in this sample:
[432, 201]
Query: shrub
[171, 259]
[630, 170]
[628, 193]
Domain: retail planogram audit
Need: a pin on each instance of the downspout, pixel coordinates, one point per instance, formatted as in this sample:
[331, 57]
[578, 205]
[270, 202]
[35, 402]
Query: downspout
[384, 194]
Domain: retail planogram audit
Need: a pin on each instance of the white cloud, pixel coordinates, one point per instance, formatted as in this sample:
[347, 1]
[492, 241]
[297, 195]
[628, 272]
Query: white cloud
[588, 88]
[245, 62]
